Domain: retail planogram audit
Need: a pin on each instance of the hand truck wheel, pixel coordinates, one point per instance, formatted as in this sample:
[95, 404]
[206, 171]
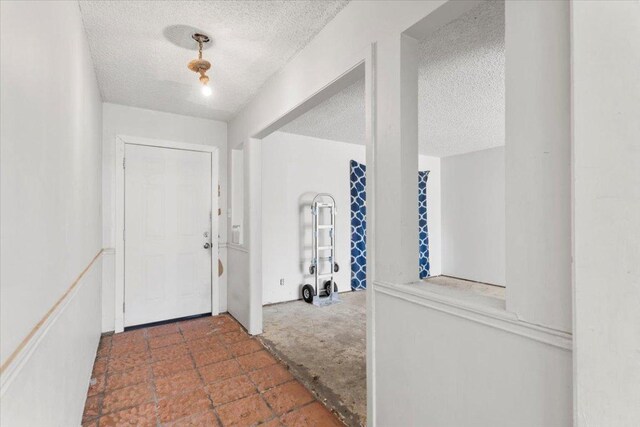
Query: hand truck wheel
[327, 287]
[307, 293]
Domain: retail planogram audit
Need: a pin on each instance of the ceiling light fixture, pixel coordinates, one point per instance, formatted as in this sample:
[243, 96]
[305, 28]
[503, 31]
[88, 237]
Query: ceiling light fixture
[201, 65]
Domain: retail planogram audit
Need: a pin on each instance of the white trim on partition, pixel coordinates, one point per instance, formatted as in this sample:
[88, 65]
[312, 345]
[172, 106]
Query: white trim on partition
[371, 144]
[475, 312]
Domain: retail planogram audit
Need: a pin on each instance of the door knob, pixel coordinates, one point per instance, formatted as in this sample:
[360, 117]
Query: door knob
[207, 245]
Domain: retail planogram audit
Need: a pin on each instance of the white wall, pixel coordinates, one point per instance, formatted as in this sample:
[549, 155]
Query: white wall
[537, 39]
[236, 199]
[245, 267]
[294, 169]
[238, 255]
[51, 116]
[473, 210]
[238, 283]
[132, 121]
[465, 368]
[606, 125]
[538, 161]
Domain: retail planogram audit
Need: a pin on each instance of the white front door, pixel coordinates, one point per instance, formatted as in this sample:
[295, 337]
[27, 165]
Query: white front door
[167, 269]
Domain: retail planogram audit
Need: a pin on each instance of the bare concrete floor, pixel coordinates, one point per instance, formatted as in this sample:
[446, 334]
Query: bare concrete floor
[325, 349]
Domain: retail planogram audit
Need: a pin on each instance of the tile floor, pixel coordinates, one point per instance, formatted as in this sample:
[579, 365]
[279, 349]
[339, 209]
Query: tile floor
[202, 372]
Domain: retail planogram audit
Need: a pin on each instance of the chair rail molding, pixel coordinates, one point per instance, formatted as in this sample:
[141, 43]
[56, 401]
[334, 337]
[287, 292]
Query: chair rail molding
[20, 356]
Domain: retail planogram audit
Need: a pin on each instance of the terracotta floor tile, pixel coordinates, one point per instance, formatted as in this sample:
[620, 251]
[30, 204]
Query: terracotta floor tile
[99, 367]
[104, 348]
[171, 366]
[103, 352]
[273, 423]
[129, 336]
[202, 344]
[195, 323]
[197, 333]
[173, 361]
[156, 331]
[142, 415]
[223, 319]
[106, 339]
[96, 385]
[226, 327]
[92, 408]
[210, 356]
[220, 371]
[287, 396]
[165, 340]
[313, 415]
[127, 361]
[270, 376]
[126, 397]
[177, 383]
[169, 352]
[183, 405]
[128, 348]
[203, 419]
[128, 378]
[231, 389]
[245, 347]
[245, 412]
[257, 360]
[233, 337]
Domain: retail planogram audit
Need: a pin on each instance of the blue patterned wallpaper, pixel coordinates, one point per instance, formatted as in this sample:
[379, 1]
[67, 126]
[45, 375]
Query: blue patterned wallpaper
[359, 225]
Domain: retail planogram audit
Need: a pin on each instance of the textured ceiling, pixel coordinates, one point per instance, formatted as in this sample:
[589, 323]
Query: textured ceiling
[141, 49]
[339, 118]
[461, 91]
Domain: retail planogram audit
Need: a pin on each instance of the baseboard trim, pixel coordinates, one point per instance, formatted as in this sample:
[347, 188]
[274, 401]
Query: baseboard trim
[27, 346]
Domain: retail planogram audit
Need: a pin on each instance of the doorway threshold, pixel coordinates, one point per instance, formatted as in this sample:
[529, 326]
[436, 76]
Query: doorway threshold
[165, 322]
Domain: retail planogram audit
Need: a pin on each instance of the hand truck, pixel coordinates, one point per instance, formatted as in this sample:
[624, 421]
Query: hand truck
[323, 203]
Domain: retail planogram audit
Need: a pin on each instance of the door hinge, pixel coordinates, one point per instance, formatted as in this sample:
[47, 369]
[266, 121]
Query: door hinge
[123, 305]
[123, 162]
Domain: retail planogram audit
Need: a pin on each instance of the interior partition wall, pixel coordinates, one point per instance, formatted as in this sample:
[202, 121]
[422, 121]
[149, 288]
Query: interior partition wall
[509, 348]
[522, 349]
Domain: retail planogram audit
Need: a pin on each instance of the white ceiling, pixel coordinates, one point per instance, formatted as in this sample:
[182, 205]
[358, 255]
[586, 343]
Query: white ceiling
[461, 91]
[339, 118]
[141, 49]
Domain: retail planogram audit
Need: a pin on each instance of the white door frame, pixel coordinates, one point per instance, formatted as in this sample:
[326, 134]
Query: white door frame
[121, 141]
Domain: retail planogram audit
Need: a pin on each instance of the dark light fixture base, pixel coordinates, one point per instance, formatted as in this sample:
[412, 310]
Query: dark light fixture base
[201, 38]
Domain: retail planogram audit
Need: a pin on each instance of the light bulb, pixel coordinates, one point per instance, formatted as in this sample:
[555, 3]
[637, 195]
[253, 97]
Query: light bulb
[206, 90]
